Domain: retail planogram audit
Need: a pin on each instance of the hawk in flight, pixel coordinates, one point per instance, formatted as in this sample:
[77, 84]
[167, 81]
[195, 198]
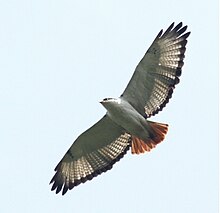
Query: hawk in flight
[126, 122]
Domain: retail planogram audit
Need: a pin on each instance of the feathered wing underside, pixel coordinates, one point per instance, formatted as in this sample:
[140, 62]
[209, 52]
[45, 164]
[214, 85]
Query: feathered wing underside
[155, 77]
[94, 152]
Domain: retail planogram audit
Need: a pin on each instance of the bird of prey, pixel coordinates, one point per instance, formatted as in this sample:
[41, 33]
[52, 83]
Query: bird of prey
[126, 122]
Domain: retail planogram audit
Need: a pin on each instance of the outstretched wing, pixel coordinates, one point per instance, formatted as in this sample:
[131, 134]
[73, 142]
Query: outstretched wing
[94, 151]
[155, 77]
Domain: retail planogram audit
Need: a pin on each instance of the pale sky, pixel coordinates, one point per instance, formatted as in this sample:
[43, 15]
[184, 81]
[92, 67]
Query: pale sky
[59, 58]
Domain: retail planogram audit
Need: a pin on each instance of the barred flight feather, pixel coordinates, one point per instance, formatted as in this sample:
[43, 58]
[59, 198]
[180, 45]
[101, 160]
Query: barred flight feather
[70, 174]
[158, 72]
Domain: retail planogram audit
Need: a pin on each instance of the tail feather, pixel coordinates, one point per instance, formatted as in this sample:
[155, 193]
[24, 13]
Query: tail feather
[157, 132]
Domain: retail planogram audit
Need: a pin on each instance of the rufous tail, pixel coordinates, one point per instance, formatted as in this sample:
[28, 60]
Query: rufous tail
[157, 132]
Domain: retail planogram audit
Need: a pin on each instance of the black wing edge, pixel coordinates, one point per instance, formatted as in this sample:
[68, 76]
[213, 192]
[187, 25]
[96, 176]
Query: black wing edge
[177, 32]
[59, 183]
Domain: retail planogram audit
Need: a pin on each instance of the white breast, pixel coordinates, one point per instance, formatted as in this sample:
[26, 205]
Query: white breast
[122, 113]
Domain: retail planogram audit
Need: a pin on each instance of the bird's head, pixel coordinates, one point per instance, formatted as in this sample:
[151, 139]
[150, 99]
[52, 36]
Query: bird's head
[108, 102]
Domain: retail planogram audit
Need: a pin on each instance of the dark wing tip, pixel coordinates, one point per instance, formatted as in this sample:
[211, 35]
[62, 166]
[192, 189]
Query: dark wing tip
[59, 183]
[159, 34]
[178, 26]
[168, 30]
[178, 30]
[186, 35]
[170, 27]
[175, 36]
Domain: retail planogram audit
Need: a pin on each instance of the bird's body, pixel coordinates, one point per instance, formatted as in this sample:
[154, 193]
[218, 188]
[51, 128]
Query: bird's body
[124, 114]
[126, 122]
